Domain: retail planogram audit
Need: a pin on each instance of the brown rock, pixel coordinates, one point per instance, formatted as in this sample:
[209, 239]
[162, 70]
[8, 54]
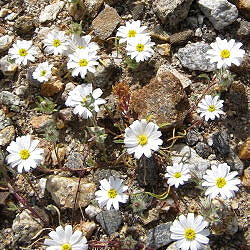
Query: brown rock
[41, 121]
[24, 25]
[246, 177]
[181, 38]
[51, 88]
[245, 151]
[66, 114]
[105, 23]
[164, 98]
[77, 10]
[63, 191]
[244, 7]
[164, 49]
[7, 135]
[87, 228]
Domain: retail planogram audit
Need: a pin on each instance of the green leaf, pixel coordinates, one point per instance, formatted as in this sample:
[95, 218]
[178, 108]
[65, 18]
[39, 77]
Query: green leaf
[118, 141]
[205, 76]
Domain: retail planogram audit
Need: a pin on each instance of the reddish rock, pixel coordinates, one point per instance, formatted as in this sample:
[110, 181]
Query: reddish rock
[51, 88]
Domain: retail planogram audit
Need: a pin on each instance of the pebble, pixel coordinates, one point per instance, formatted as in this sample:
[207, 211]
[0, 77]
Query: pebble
[171, 12]
[66, 114]
[104, 29]
[164, 98]
[101, 174]
[24, 26]
[192, 137]
[196, 164]
[11, 100]
[244, 29]
[246, 177]
[181, 38]
[92, 7]
[220, 143]
[244, 7]
[87, 228]
[92, 211]
[7, 67]
[40, 122]
[77, 10]
[4, 120]
[164, 49]
[5, 42]
[4, 12]
[220, 13]
[51, 88]
[51, 11]
[11, 17]
[30, 78]
[109, 220]
[193, 57]
[68, 87]
[159, 236]
[63, 191]
[137, 11]
[75, 161]
[244, 153]
[7, 135]
[203, 150]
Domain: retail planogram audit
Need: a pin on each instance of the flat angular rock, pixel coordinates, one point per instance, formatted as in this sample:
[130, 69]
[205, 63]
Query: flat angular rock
[109, 220]
[171, 12]
[193, 57]
[5, 42]
[105, 23]
[163, 98]
[220, 13]
[50, 12]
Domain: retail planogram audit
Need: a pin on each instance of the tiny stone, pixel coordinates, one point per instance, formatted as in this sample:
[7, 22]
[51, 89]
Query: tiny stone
[11, 100]
[181, 38]
[4, 120]
[220, 143]
[24, 26]
[192, 137]
[7, 135]
[75, 161]
[50, 12]
[51, 88]
[7, 67]
[92, 211]
[203, 150]
[5, 42]
[66, 114]
[41, 122]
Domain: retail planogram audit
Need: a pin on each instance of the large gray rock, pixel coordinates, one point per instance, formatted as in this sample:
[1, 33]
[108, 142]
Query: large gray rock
[109, 220]
[171, 12]
[50, 12]
[159, 236]
[193, 57]
[220, 13]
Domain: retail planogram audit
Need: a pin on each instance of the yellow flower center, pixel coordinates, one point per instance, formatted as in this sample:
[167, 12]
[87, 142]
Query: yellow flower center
[43, 72]
[56, 43]
[177, 175]
[211, 108]
[22, 52]
[190, 234]
[143, 139]
[66, 246]
[81, 47]
[83, 63]
[112, 193]
[221, 182]
[139, 47]
[131, 33]
[84, 99]
[225, 53]
[24, 154]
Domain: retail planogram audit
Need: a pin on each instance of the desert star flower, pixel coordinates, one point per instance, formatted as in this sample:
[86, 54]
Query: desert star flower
[24, 153]
[190, 232]
[132, 29]
[65, 239]
[85, 100]
[177, 174]
[225, 53]
[111, 193]
[56, 43]
[220, 181]
[82, 61]
[82, 42]
[142, 137]
[22, 52]
[210, 107]
[140, 48]
[43, 72]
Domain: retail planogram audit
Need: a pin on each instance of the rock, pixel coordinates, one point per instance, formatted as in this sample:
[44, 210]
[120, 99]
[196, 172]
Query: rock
[68, 87]
[164, 49]
[63, 191]
[25, 226]
[51, 88]
[181, 38]
[10, 100]
[220, 143]
[50, 12]
[75, 161]
[197, 164]
[109, 220]
[7, 67]
[92, 211]
[105, 174]
[174, 247]
[58, 155]
[5, 42]
[4, 12]
[163, 98]
[244, 153]
[30, 78]
[244, 29]
[153, 215]
[244, 7]
[104, 29]
[87, 228]
[246, 177]
[77, 10]
[41, 122]
[11, 17]
[220, 13]
[24, 26]
[193, 57]
[66, 114]
[4, 120]
[171, 12]
[138, 11]
[159, 236]
[203, 150]
[7, 135]
[234, 162]
[192, 137]
[92, 7]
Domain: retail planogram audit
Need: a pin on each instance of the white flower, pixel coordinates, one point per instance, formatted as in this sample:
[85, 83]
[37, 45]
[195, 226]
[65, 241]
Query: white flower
[132, 29]
[82, 61]
[210, 107]
[140, 48]
[141, 137]
[220, 181]
[56, 43]
[22, 52]
[66, 240]
[177, 174]
[189, 232]
[111, 193]
[84, 100]
[24, 153]
[43, 72]
[225, 53]
[82, 42]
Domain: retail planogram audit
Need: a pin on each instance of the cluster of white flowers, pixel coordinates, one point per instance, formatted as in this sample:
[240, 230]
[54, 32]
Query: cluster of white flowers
[139, 45]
